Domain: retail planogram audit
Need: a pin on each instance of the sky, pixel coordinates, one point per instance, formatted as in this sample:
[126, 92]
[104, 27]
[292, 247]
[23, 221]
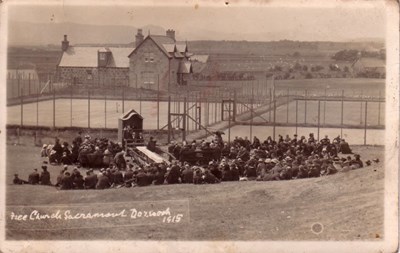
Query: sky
[252, 21]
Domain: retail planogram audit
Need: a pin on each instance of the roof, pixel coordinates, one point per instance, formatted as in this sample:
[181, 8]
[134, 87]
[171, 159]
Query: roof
[87, 57]
[162, 39]
[170, 48]
[185, 67]
[181, 47]
[178, 55]
[129, 114]
[199, 57]
[369, 62]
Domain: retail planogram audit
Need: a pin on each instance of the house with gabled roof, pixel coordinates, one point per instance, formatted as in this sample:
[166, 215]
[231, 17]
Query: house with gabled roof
[159, 62]
[101, 66]
[156, 62]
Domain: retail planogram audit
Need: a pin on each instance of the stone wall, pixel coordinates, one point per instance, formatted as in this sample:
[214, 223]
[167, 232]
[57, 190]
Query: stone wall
[145, 73]
[94, 76]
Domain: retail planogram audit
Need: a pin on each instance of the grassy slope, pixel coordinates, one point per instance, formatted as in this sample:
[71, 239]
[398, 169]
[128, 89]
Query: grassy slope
[349, 205]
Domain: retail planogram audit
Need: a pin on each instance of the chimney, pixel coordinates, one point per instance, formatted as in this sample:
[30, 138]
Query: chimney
[139, 37]
[171, 33]
[64, 44]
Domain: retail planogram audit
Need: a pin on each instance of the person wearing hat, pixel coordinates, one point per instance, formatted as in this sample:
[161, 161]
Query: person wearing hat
[58, 150]
[128, 176]
[90, 180]
[119, 160]
[209, 178]
[250, 171]
[344, 147]
[187, 174]
[45, 176]
[151, 145]
[103, 182]
[172, 176]
[78, 182]
[356, 162]
[345, 166]
[197, 176]
[294, 140]
[303, 173]
[60, 176]
[17, 180]
[261, 168]
[118, 177]
[141, 178]
[34, 177]
[159, 176]
[315, 171]
[43, 152]
[67, 182]
[226, 173]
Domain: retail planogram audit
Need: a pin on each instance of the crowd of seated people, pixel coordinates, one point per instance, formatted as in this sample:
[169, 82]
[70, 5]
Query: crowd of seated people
[241, 160]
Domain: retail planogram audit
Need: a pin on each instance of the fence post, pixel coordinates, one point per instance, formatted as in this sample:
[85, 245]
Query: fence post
[270, 104]
[70, 113]
[251, 112]
[297, 103]
[361, 107]
[305, 108]
[169, 119]
[229, 124]
[319, 114]
[325, 98]
[158, 102]
[54, 107]
[88, 108]
[105, 110]
[365, 123]
[123, 99]
[37, 106]
[184, 120]
[19, 85]
[29, 83]
[341, 116]
[274, 118]
[22, 109]
[379, 109]
[287, 106]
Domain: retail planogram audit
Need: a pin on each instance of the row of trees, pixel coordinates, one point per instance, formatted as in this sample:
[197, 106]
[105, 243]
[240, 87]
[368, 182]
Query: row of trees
[352, 55]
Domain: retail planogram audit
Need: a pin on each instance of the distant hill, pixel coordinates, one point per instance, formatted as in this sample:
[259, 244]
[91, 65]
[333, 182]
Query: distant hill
[34, 34]
[282, 47]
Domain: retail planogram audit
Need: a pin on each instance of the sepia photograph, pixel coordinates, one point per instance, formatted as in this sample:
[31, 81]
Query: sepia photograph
[204, 126]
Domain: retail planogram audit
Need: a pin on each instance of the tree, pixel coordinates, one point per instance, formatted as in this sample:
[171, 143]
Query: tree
[346, 55]
[297, 66]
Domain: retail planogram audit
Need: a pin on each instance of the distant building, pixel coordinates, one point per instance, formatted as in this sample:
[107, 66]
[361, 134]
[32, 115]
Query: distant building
[93, 65]
[369, 67]
[159, 61]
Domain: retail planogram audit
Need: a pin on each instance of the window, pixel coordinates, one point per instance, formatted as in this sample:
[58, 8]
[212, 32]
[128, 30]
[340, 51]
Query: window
[149, 57]
[102, 56]
[89, 74]
[148, 78]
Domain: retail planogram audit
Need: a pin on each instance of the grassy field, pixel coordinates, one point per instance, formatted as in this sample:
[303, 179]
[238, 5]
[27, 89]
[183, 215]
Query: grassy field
[349, 206]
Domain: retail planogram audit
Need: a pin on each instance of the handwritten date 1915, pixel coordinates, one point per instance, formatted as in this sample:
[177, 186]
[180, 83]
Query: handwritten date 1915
[173, 219]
